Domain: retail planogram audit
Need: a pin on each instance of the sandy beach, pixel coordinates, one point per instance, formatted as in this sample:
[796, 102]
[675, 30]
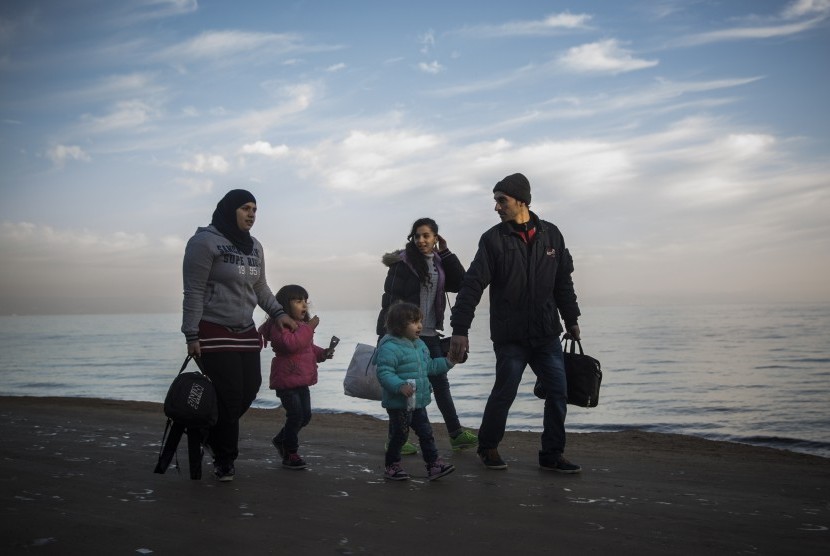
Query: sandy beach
[77, 477]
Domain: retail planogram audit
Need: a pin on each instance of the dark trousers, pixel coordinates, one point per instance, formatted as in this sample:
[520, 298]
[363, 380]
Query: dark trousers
[546, 362]
[236, 376]
[400, 420]
[297, 405]
[441, 388]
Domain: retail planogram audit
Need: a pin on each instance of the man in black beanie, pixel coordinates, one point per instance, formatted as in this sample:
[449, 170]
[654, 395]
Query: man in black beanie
[528, 269]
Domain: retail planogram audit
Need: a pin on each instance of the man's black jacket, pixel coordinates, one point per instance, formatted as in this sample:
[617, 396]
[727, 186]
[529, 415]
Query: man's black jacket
[529, 285]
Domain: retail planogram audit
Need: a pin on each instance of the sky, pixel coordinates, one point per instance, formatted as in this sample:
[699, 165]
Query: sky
[681, 146]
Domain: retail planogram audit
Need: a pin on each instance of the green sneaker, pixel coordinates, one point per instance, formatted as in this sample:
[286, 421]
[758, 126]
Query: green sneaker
[408, 449]
[464, 440]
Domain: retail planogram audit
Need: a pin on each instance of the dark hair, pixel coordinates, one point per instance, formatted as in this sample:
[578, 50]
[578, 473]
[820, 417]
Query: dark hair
[290, 293]
[415, 257]
[400, 315]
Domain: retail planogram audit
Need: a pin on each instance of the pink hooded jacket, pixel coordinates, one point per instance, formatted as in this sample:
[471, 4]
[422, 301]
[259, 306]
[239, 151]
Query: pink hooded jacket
[296, 357]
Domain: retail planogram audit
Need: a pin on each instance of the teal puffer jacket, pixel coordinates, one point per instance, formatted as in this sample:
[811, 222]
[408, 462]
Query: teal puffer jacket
[400, 359]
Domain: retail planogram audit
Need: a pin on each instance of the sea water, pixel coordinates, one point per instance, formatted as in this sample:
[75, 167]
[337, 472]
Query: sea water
[757, 374]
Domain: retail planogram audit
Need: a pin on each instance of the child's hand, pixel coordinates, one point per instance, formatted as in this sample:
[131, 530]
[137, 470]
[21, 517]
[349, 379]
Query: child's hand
[407, 390]
[314, 321]
[329, 353]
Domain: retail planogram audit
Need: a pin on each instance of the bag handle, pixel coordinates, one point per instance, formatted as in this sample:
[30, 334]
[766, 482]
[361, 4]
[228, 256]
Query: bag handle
[573, 345]
[198, 361]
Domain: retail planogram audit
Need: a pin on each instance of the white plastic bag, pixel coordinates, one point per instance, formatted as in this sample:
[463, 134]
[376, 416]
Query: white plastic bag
[361, 377]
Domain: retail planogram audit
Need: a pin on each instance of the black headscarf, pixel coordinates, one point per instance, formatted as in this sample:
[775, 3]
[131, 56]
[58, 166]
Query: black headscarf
[224, 219]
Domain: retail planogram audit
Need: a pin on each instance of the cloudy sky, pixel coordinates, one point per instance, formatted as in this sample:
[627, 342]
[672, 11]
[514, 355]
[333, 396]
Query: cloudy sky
[682, 146]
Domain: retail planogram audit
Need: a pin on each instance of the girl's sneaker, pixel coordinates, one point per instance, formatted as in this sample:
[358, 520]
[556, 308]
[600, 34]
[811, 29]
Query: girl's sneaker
[465, 439]
[408, 449]
[395, 472]
[293, 461]
[438, 469]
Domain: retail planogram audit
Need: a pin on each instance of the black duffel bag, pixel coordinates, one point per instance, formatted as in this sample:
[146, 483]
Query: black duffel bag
[191, 407]
[584, 376]
[191, 399]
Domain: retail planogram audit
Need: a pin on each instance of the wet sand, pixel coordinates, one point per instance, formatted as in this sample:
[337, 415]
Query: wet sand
[77, 478]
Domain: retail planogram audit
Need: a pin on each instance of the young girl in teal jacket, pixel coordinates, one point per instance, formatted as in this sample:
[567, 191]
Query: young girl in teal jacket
[404, 365]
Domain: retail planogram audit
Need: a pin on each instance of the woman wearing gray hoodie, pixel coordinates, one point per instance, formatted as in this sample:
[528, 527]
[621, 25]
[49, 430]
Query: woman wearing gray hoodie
[224, 280]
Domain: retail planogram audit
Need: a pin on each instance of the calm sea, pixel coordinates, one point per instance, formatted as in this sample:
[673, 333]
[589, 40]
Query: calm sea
[745, 373]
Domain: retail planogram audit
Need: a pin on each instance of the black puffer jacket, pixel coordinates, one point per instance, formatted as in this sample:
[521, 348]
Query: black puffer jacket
[402, 284]
[529, 286]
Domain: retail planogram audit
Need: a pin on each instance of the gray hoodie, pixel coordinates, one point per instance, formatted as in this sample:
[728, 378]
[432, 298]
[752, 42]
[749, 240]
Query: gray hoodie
[222, 285]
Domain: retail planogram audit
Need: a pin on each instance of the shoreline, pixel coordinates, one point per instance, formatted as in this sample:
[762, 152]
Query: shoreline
[76, 475]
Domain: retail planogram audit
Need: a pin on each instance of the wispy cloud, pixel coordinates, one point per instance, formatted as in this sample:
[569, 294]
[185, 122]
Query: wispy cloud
[221, 45]
[433, 67]
[554, 23]
[128, 114]
[203, 163]
[606, 56]
[59, 154]
[266, 149]
[427, 41]
[140, 11]
[744, 33]
[369, 161]
[779, 25]
[800, 8]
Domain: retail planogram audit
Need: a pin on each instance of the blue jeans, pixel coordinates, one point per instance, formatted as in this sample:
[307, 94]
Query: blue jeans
[297, 405]
[400, 420]
[441, 388]
[546, 362]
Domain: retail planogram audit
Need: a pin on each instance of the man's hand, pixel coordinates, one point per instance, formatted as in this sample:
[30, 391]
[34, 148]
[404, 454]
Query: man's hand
[572, 333]
[459, 346]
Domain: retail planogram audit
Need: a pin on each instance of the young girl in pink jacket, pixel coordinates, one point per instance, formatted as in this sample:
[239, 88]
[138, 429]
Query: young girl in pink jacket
[293, 369]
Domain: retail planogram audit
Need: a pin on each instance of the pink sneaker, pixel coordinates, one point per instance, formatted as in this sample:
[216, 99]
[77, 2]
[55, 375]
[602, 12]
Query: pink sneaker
[438, 469]
[395, 472]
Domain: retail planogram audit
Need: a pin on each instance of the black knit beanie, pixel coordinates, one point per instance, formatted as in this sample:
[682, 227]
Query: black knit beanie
[516, 186]
[224, 219]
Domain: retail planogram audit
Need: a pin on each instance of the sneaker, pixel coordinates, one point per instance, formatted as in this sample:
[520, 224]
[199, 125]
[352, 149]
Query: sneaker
[464, 440]
[395, 472]
[408, 449]
[558, 464]
[277, 442]
[224, 473]
[438, 469]
[293, 461]
[491, 459]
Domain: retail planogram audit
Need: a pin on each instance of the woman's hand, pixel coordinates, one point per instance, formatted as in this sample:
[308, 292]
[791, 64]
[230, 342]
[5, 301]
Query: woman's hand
[313, 322]
[442, 243]
[287, 322]
[194, 348]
